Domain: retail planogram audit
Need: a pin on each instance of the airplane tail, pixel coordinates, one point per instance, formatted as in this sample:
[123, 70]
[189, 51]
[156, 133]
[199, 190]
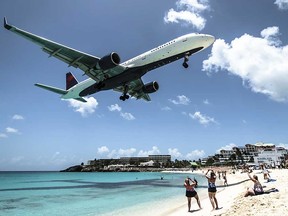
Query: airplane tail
[70, 80]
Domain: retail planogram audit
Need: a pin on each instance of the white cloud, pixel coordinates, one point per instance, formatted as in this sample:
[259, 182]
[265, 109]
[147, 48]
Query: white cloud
[227, 147]
[11, 130]
[127, 116]
[84, 108]
[166, 108]
[122, 153]
[114, 107]
[195, 154]
[188, 12]
[206, 102]
[202, 119]
[282, 4]
[182, 100]
[174, 152]
[2, 135]
[257, 61]
[271, 34]
[154, 150]
[282, 145]
[103, 149]
[17, 117]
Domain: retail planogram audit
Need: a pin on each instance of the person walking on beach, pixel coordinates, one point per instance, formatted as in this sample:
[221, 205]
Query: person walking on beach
[225, 178]
[211, 177]
[190, 184]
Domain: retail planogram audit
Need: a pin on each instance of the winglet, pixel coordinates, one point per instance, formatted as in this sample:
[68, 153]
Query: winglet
[6, 24]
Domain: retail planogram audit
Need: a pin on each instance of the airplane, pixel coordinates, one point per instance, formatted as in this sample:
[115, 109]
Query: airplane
[108, 73]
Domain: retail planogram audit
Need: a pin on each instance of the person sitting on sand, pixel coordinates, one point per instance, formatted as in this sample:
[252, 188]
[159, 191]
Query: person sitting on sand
[190, 184]
[257, 188]
[212, 188]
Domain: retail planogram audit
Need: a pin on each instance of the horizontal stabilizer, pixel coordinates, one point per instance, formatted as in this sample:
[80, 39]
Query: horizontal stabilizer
[53, 89]
[80, 99]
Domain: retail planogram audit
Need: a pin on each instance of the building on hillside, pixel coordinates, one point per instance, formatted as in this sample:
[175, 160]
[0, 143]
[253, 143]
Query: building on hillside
[160, 158]
[270, 157]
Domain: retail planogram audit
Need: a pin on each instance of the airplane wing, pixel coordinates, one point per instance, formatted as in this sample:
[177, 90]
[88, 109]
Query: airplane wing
[135, 90]
[72, 57]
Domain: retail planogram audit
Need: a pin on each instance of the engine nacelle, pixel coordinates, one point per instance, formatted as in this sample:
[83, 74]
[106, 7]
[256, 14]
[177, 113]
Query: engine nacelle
[109, 61]
[150, 87]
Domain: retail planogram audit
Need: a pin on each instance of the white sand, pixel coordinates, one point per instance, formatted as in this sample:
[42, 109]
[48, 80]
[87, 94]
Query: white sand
[232, 201]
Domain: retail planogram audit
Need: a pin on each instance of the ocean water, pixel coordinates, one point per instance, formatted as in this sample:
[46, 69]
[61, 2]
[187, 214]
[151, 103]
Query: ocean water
[88, 194]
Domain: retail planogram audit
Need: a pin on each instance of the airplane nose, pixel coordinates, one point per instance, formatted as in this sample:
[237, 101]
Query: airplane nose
[209, 39]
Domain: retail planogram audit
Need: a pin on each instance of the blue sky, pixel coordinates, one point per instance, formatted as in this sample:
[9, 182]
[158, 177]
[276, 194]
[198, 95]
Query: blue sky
[233, 93]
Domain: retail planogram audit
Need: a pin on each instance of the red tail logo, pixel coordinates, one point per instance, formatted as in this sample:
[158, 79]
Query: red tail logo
[70, 81]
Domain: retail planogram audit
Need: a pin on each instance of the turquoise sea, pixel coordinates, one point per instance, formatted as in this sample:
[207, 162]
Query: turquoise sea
[88, 194]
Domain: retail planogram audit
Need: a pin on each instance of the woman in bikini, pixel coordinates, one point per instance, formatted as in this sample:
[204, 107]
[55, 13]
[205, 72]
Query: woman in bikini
[190, 184]
[257, 188]
[211, 177]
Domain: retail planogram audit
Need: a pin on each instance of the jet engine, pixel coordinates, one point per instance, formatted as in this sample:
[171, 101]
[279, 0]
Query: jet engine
[150, 87]
[109, 61]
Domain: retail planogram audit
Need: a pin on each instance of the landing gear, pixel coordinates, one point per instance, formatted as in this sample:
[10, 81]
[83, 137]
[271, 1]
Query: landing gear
[186, 59]
[125, 96]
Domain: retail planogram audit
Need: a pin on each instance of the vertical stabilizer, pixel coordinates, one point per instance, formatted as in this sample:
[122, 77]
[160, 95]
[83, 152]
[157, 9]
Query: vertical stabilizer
[70, 80]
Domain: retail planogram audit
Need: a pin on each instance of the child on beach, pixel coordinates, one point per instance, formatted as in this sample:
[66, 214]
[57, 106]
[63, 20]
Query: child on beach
[212, 188]
[190, 184]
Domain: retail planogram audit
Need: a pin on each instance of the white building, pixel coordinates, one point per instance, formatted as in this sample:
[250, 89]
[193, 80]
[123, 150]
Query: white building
[270, 157]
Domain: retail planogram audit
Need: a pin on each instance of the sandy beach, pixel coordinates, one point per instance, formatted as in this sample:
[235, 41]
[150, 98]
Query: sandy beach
[232, 201]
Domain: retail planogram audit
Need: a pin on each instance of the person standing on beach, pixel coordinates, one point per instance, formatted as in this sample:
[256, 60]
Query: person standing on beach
[225, 178]
[190, 184]
[211, 177]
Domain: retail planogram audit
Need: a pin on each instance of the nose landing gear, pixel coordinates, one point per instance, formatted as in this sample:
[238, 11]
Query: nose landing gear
[186, 59]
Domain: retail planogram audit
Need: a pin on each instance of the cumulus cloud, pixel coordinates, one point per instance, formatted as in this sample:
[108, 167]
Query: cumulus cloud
[154, 150]
[226, 147]
[181, 100]
[114, 107]
[166, 108]
[202, 119]
[103, 150]
[11, 130]
[2, 135]
[206, 101]
[125, 115]
[122, 153]
[84, 109]
[259, 61]
[188, 12]
[195, 154]
[282, 4]
[17, 117]
[174, 152]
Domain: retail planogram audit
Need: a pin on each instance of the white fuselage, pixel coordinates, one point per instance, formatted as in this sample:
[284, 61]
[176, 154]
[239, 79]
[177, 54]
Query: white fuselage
[172, 48]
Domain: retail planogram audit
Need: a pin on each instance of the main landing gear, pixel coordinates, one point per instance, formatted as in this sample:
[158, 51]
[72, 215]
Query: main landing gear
[186, 59]
[125, 96]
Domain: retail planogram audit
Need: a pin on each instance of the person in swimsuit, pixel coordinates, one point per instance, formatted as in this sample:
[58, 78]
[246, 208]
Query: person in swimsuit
[257, 188]
[211, 177]
[190, 184]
